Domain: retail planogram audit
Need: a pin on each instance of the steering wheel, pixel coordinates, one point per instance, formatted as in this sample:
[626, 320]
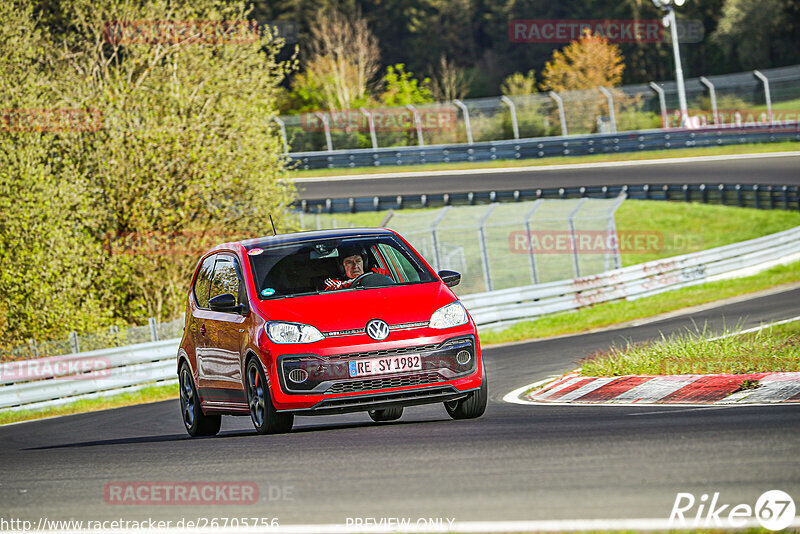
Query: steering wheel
[372, 279]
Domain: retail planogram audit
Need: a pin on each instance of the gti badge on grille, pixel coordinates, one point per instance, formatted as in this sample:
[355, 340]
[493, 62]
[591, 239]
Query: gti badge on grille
[377, 329]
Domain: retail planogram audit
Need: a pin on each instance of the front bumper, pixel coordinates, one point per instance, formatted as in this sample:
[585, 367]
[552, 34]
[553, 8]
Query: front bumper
[328, 387]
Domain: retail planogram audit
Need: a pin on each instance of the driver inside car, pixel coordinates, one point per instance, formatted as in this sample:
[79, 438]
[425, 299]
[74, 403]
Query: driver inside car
[352, 262]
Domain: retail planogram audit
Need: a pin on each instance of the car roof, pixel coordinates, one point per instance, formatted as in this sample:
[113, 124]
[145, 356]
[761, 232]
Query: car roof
[313, 235]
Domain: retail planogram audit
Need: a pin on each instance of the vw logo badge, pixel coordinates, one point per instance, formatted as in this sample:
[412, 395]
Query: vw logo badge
[377, 329]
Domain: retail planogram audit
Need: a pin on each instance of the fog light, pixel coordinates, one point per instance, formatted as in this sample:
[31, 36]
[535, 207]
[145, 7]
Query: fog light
[298, 376]
[463, 357]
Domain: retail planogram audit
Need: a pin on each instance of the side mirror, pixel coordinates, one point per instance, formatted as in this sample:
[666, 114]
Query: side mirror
[226, 303]
[450, 278]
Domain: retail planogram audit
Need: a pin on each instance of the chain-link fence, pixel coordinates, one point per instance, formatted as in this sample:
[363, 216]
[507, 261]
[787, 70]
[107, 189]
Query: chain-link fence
[500, 246]
[111, 337]
[729, 100]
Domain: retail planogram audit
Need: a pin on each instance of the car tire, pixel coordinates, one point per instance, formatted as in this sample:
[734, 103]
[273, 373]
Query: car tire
[266, 419]
[194, 420]
[387, 414]
[473, 405]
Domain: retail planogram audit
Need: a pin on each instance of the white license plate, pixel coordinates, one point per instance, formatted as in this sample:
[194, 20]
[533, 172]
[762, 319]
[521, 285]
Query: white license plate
[386, 365]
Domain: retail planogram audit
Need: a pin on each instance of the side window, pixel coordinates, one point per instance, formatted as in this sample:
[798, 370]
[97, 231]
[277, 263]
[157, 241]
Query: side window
[203, 282]
[398, 264]
[226, 278]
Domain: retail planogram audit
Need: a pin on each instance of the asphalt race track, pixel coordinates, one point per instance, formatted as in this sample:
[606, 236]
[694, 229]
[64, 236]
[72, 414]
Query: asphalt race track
[515, 463]
[783, 170]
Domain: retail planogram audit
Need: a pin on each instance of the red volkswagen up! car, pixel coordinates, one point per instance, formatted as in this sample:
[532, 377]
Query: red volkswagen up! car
[324, 322]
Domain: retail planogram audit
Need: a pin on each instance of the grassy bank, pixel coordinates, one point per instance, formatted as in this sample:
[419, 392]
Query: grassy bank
[611, 313]
[776, 348]
[758, 148]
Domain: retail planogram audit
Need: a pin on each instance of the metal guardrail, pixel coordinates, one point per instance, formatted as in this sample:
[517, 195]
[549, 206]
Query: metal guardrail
[542, 147]
[31, 384]
[757, 196]
[636, 281]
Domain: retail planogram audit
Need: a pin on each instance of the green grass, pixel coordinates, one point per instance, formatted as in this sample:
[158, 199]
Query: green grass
[610, 313]
[772, 349]
[141, 396]
[562, 160]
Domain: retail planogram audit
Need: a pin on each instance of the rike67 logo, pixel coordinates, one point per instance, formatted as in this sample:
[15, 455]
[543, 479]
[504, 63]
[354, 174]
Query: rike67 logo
[773, 510]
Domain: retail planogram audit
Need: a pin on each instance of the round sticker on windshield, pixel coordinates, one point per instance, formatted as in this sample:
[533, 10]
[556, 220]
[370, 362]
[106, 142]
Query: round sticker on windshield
[255, 251]
[267, 292]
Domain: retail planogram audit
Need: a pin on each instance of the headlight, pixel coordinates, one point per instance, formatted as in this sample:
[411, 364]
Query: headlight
[279, 332]
[448, 316]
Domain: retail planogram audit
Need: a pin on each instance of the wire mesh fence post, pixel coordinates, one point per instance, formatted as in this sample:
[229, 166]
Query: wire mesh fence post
[151, 322]
[327, 126]
[712, 92]
[611, 113]
[767, 94]
[612, 229]
[573, 241]
[371, 124]
[282, 126]
[487, 276]
[561, 115]
[531, 256]
[417, 124]
[435, 239]
[662, 103]
[73, 342]
[512, 109]
[460, 105]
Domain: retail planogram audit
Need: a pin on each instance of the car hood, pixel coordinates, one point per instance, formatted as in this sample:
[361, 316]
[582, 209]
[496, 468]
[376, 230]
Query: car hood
[346, 310]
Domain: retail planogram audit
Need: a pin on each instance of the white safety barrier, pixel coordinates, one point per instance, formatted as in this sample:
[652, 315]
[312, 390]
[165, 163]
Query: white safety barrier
[510, 305]
[28, 384]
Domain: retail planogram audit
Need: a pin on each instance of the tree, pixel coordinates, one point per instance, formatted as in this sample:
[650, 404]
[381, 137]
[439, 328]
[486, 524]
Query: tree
[401, 88]
[106, 224]
[519, 84]
[343, 60]
[449, 81]
[587, 63]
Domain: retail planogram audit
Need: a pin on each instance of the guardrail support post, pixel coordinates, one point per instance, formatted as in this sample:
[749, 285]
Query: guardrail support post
[534, 207]
[571, 222]
[513, 111]
[611, 113]
[460, 105]
[767, 95]
[73, 342]
[371, 124]
[151, 322]
[561, 115]
[282, 126]
[713, 94]
[434, 226]
[417, 124]
[487, 277]
[326, 124]
[661, 103]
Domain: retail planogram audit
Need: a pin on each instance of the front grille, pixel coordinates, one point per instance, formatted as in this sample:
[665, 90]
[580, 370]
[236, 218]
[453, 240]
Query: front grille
[387, 352]
[383, 383]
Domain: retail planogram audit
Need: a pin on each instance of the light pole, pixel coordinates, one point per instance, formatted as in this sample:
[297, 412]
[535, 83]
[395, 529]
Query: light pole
[671, 23]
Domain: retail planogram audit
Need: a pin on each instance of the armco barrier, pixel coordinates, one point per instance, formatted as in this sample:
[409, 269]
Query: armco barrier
[759, 196]
[577, 145]
[58, 379]
[636, 281]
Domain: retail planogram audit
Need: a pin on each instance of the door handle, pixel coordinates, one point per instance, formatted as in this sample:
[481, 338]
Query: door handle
[203, 329]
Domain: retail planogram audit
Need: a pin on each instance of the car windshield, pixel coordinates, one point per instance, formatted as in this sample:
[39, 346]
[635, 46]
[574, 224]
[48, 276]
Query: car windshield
[332, 265]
